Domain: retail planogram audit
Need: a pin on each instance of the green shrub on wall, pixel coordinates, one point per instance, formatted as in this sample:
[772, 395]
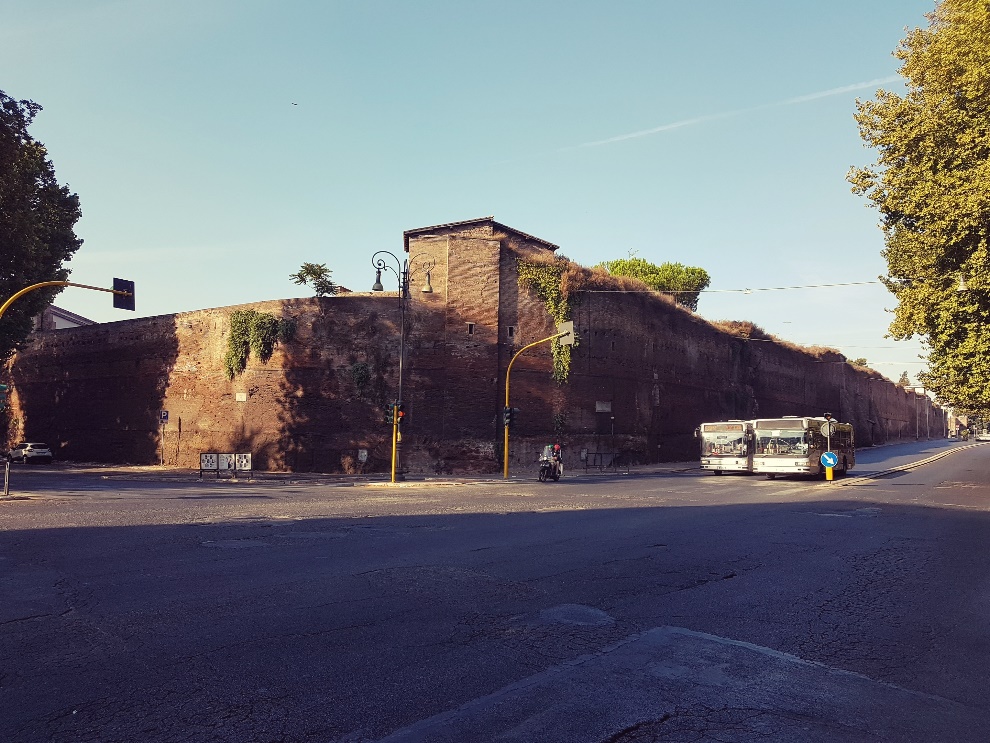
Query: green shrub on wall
[254, 332]
[546, 279]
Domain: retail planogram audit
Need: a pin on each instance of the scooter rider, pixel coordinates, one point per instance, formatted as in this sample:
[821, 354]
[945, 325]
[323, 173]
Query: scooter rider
[557, 460]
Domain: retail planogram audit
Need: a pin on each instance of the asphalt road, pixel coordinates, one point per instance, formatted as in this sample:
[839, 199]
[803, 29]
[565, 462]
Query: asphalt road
[670, 606]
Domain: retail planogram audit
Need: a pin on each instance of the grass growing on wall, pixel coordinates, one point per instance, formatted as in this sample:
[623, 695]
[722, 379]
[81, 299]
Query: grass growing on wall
[546, 279]
[254, 332]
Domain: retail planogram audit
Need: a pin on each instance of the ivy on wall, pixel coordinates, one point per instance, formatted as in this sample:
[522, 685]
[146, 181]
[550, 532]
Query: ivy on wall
[546, 278]
[257, 333]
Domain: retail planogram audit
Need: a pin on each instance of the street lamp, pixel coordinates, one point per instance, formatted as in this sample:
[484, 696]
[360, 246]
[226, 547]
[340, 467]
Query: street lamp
[403, 273]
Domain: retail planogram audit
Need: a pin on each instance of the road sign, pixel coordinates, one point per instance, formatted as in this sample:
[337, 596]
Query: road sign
[125, 300]
[568, 328]
[164, 416]
[828, 428]
[830, 459]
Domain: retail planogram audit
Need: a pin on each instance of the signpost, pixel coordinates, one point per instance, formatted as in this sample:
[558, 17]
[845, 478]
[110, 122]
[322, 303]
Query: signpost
[163, 416]
[829, 460]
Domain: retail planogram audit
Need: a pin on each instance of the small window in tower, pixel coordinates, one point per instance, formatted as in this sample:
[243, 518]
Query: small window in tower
[511, 331]
[470, 328]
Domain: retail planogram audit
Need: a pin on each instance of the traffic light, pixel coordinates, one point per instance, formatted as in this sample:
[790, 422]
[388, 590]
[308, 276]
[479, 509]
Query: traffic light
[509, 416]
[390, 413]
[123, 301]
[400, 411]
[3, 396]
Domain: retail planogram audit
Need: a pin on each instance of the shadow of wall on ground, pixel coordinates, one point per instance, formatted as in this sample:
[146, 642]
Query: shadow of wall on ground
[189, 588]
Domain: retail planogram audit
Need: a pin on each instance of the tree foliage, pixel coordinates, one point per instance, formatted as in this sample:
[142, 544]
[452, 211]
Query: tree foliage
[317, 276]
[37, 219]
[931, 185]
[685, 283]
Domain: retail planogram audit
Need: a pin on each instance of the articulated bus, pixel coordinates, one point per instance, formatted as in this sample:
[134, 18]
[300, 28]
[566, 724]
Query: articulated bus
[792, 445]
[726, 446]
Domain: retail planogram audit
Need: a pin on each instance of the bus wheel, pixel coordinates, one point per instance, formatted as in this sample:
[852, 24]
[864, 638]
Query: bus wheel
[770, 475]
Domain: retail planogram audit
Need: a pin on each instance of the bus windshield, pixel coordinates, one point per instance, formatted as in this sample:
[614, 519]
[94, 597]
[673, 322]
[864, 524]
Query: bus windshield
[723, 439]
[782, 441]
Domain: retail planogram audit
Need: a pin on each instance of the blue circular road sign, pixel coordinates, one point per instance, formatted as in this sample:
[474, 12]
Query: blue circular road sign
[830, 459]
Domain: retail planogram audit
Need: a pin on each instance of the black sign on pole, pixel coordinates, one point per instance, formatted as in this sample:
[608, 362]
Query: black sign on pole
[123, 301]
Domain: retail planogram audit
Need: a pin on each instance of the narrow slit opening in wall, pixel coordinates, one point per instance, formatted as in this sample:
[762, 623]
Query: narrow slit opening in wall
[510, 331]
[470, 328]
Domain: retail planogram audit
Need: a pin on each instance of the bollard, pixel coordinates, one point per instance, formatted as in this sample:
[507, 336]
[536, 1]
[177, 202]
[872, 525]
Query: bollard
[6, 477]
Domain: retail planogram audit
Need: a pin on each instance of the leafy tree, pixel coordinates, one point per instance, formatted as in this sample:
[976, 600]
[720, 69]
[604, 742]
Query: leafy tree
[37, 217]
[316, 275]
[861, 361]
[904, 380]
[931, 185]
[684, 282]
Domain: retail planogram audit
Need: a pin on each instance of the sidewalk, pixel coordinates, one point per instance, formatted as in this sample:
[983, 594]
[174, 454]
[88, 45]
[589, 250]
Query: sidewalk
[158, 473]
[869, 461]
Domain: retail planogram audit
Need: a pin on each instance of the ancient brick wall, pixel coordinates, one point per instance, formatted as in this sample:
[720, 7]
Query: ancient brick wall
[95, 393]
[644, 375]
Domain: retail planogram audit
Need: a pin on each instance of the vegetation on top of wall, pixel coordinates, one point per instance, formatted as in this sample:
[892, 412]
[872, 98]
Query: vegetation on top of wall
[557, 281]
[743, 329]
[683, 283]
[254, 332]
[752, 332]
[317, 276]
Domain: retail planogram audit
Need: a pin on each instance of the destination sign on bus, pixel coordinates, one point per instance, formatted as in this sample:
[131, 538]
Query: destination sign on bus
[719, 427]
[793, 424]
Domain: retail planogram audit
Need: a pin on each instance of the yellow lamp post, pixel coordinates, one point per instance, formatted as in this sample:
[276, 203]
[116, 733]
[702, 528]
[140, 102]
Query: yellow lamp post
[565, 331]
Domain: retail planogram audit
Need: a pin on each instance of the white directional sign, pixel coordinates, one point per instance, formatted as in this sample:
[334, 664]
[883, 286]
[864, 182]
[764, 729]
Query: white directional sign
[830, 459]
[828, 428]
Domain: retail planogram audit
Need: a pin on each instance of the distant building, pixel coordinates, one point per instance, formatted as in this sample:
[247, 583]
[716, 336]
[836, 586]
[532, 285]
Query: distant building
[55, 318]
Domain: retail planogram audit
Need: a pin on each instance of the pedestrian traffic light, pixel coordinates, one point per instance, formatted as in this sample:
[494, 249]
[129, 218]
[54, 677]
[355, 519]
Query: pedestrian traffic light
[400, 412]
[123, 294]
[3, 396]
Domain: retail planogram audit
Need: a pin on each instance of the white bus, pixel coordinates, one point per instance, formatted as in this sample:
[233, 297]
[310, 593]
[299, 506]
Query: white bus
[792, 445]
[726, 446]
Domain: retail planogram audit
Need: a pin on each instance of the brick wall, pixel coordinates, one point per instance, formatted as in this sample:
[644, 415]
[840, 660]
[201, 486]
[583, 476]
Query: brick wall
[644, 375]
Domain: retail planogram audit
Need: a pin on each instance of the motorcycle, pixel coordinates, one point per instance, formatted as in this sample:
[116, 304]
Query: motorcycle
[549, 469]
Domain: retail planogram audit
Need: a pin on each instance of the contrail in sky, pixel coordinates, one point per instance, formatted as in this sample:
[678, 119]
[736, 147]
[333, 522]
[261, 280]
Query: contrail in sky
[737, 112]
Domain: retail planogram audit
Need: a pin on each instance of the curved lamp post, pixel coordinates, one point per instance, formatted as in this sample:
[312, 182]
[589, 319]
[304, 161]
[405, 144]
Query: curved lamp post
[385, 260]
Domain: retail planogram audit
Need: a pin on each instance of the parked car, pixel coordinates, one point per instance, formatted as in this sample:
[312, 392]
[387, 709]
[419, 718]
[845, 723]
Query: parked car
[28, 453]
[985, 436]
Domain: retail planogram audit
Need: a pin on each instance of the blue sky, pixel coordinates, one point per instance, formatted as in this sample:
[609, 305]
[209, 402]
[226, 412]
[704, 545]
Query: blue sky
[218, 144]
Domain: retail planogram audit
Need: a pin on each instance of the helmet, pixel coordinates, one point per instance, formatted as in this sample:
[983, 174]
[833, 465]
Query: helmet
[556, 447]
